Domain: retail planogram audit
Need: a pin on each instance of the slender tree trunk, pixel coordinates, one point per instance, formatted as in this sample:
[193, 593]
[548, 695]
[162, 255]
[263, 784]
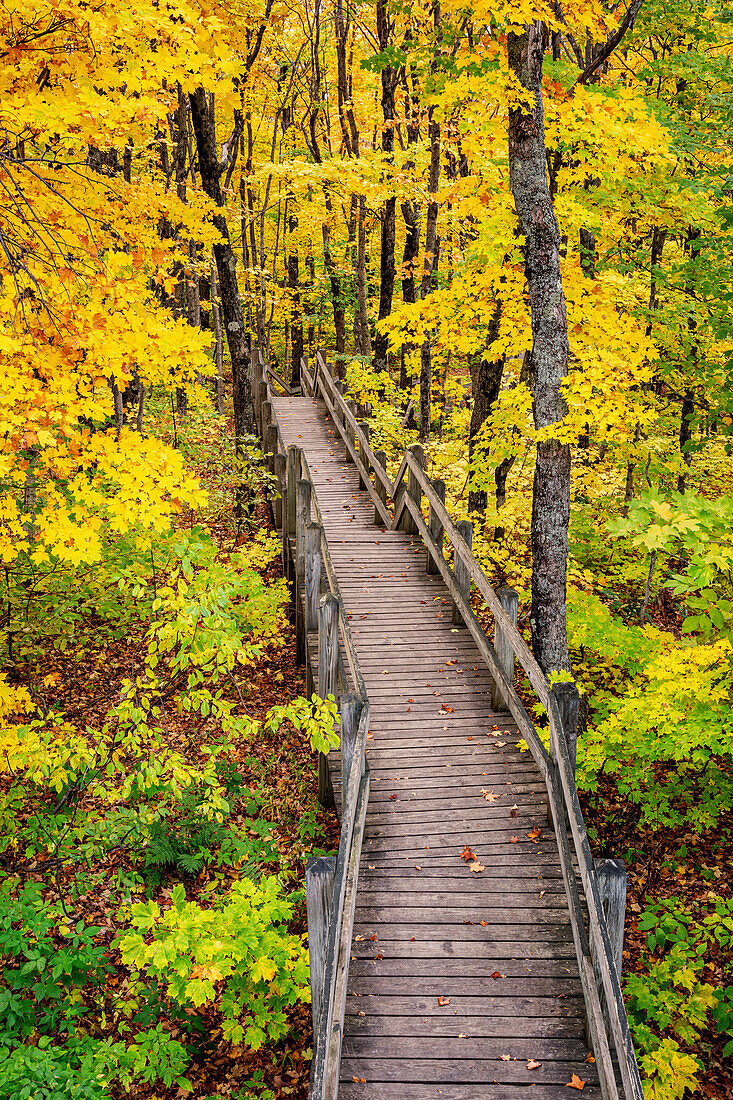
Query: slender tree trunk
[385, 29]
[296, 323]
[688, 402]
[226, 266]
[431, 241]
[485, 385]
[362, 341]
[219, 345]
[551, 496]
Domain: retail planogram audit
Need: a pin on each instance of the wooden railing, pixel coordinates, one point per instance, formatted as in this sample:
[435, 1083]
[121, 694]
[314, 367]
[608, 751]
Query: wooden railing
[399, 504]
[319, 612]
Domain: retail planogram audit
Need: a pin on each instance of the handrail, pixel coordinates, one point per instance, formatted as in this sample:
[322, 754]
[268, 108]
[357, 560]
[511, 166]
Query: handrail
[591, 939]
[355, 797]
[558, 773]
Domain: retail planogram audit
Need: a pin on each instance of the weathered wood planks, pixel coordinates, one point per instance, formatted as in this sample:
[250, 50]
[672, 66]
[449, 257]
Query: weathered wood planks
[426, 926]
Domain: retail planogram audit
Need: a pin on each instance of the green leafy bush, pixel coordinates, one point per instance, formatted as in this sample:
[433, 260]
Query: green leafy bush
[40, 981]
[242, 943]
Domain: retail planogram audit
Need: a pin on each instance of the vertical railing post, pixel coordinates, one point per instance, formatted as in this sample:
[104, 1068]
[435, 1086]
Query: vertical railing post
[381, 457]
[279, 466]
[302, 519]
[257, 372]
[567, 698]
[348, 429]
[319, 875]
[362, 454]
[328, 654]
[262, 401]
[351, 706]
[611, 883]
[435, 524]
[413, 489]
[271, 447]
[339, 387]
[256, 377]
[289, 526]
[460, 570]
[313, 566]
[502, 647]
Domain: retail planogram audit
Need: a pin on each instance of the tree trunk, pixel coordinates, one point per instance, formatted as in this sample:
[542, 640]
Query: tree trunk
[226, 266]
[551, 495]
[219, 345]
[296, 324]
[385, 28]
[688, 401]
[430, 262]
[362, 341]
[485, 385]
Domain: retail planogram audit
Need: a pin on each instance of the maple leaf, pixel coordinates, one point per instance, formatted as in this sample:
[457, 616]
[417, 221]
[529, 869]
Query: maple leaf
[476, 866]
[498, 974]
[514, 839]
[575, 1083]
[443, 1001]
[505, 1057]
[447, 709]
[532, 1064]
[467, 854]
[534, 834]
[490, 796]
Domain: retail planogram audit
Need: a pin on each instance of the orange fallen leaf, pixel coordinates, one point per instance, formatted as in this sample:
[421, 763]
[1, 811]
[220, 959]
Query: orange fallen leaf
[467, 854]
[505, 1057]
[499, 744]
[514, 839]
[358, 1080]
[498, 974]
[418, 867]
[484, 923]
[532, 1064]
[443, 1001]
[490, 796]
[476, 866]
[534, 834]
[590, 1058]
[575, 1083]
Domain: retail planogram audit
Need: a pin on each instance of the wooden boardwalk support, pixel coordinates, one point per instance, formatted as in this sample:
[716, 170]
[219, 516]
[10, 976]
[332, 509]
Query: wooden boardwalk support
[460, 953]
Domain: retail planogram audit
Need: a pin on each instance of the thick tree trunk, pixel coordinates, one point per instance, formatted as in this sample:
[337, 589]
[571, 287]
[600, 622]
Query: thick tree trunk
[485, 386]
[551, 496]
[226, 266]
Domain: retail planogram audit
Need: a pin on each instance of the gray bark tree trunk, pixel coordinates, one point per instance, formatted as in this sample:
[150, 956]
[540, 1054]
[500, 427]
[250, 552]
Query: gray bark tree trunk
[551, 495]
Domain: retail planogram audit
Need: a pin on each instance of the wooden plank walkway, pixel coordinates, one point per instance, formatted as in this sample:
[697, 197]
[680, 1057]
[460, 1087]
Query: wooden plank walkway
[462, 985]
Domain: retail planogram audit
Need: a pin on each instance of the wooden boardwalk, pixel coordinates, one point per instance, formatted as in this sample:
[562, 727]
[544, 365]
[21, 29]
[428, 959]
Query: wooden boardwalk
[463, 983]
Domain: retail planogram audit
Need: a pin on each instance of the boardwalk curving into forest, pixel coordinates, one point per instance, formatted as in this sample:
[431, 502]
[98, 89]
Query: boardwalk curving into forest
[462, 983]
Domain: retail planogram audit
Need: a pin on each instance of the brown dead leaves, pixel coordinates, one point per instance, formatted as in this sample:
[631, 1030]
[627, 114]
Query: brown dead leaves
[575, 1083]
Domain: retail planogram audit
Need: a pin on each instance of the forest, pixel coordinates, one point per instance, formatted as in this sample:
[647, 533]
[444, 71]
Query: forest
[508, 225]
